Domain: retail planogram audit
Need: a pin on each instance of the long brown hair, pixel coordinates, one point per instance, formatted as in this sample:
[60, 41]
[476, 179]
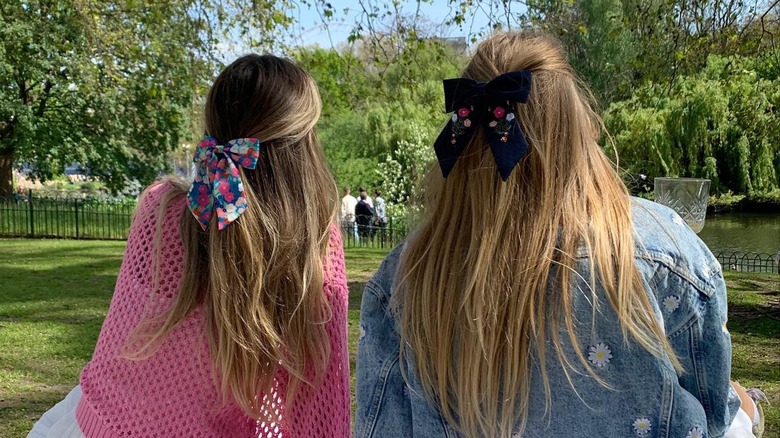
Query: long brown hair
[476, 299]
[261, 278]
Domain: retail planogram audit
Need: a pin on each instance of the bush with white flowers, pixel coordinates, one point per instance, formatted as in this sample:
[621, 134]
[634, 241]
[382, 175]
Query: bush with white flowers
[402, 172]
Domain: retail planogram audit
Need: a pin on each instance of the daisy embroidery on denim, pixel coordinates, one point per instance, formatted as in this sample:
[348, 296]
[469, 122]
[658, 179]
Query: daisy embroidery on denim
[599, 354]
[696, 432]
[671, 303]
[642, 426]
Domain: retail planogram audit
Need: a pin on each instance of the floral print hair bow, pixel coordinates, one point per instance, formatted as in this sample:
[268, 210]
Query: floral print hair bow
[217, 185]
[491, 105]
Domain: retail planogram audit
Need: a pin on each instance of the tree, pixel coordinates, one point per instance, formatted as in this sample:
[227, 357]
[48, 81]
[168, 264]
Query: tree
[721, 123]
[109, 84]
[372, 105]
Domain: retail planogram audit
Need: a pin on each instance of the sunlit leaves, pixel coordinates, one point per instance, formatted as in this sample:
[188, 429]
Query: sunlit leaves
[720, 123]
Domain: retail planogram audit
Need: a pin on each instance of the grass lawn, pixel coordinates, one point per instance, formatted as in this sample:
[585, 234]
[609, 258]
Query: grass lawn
[54, 295]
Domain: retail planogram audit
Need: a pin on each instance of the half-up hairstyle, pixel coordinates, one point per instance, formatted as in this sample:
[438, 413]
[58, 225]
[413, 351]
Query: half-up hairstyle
[488, 277]
[261, 278]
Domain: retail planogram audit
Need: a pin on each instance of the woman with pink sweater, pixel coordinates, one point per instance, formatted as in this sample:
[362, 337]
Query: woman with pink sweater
[229, 314]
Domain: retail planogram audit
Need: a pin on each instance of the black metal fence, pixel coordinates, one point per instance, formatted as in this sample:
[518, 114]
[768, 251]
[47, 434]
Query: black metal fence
[33, 215]
[373, 235]
[30, 215]
[749, 261]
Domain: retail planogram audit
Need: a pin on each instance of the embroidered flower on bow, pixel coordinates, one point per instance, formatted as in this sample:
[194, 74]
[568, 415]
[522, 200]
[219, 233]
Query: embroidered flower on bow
[502, 123]
[671, 303]
[696, 432]
[642, 426]
[600, 354]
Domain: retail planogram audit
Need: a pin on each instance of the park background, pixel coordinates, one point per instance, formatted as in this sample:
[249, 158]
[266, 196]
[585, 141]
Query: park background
[98, 98]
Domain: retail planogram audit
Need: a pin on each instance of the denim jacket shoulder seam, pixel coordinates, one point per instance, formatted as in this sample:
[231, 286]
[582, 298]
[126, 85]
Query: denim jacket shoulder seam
[667, 261]
[684, 274]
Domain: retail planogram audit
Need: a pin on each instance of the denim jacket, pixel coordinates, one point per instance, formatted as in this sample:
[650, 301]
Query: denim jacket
[645, 396]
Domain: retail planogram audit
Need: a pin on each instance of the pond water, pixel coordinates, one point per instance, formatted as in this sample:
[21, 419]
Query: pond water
[746, 232]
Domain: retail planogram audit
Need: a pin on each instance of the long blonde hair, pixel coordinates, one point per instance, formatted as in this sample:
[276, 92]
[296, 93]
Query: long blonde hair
[261, 278]
[488, 277]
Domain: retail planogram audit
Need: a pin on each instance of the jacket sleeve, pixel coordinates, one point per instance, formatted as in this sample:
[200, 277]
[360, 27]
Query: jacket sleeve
[704, 349]
[383, 406]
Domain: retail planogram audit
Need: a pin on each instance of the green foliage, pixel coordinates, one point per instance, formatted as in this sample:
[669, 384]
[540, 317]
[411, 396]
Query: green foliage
[341, 77]
[380, 113]
[403, 169]
[111, 84]
[617, 45]
[720, 123]
[93, 88]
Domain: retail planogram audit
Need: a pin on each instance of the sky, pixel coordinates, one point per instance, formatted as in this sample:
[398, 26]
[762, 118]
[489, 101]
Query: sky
[311, 30]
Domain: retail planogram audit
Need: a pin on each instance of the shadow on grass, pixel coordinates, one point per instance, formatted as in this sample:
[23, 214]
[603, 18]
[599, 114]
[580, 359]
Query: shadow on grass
[19, 414]
[50, 318]
[355, 293]
[28, 285]
[760, 319]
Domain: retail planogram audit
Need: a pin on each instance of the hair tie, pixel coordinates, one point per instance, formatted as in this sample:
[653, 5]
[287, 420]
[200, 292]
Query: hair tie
[492, 105]
[217, 183]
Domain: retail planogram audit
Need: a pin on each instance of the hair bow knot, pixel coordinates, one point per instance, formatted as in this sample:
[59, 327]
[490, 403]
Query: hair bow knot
[217, 184]
[490, 104]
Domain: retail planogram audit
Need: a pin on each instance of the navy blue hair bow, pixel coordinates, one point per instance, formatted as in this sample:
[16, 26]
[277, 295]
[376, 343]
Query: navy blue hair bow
[491, 104]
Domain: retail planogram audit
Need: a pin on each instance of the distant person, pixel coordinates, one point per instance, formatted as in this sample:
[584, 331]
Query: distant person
[20, 195]
[229, 313]
[348, 204]
[380, 218]
[380, 214]
[363, 215]
[362, 190]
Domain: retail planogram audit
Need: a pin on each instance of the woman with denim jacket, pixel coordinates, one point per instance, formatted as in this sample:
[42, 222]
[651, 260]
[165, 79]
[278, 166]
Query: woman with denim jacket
[537, 298]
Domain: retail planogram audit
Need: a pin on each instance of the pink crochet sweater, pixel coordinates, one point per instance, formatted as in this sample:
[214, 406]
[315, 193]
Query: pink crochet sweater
[172, 394]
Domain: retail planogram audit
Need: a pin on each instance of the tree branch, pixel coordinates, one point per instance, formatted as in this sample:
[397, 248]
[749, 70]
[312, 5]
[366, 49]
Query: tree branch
[6, 129]
[44, 98]
[763, 25]
[24, 92]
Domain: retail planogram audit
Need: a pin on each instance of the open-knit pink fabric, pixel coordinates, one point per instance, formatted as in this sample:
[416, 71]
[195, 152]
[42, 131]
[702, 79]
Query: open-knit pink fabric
[173, 394]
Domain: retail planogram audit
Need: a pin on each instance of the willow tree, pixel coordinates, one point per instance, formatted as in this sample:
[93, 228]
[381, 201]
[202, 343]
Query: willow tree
[721, 123]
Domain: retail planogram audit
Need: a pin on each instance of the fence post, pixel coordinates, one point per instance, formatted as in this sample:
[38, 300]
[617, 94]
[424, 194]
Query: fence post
[391, 227]
[32, 212]
[76, 209]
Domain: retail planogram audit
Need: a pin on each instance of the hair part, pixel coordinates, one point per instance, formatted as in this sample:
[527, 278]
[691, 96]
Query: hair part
[485, 272]
[261, 278]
